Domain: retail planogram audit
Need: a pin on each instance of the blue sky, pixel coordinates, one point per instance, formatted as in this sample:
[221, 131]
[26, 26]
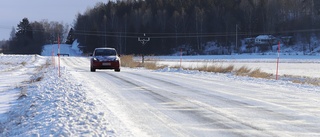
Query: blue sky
[65, 11]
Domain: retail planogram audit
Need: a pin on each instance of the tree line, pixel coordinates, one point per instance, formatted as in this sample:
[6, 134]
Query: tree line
[175, 24]
[29, 37]
[172, 25]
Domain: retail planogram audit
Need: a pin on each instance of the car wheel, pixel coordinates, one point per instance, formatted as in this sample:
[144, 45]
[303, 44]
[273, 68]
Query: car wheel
[117, 70]
[92, 69]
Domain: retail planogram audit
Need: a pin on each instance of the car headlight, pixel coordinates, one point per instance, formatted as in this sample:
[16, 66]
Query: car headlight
[95, 59]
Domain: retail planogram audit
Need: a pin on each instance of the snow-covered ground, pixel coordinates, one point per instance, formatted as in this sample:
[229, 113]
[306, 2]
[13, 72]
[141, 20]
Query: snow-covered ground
[36, 101]
[289, 65]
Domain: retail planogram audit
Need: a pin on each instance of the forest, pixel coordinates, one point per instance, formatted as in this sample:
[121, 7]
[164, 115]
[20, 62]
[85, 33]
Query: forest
[171, 25]
[161, 27]
[29, 37]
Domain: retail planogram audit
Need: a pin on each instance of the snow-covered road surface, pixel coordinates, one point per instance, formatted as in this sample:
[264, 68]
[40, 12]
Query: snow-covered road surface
[154, 103]
[139, 102]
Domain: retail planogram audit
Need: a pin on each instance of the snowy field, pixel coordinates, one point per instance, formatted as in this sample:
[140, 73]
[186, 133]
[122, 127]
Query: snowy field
[292, 65]
[35, 101]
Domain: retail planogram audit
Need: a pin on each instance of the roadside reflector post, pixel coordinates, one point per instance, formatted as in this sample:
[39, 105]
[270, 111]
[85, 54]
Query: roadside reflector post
[277, 71]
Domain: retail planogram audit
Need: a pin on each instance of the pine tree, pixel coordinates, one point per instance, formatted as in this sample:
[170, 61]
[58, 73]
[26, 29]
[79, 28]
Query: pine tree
[23, 39]
[70, 37]
[24, 29]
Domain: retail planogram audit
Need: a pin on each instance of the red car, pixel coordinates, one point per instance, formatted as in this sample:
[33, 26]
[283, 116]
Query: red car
[105, 58]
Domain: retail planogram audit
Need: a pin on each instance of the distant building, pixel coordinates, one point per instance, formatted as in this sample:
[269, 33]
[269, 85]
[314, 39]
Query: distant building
[265, 40]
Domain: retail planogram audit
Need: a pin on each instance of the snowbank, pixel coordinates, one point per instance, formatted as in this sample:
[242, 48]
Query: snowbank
[54, 106]
[72, 50]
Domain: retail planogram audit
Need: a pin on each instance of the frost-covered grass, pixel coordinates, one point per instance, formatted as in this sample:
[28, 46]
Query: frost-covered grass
[128, 61]
[303, 69]
[206, 66]
[251, 67]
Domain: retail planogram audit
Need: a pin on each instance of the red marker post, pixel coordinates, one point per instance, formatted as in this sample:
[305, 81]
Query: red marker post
[277, 76]
[52, 57]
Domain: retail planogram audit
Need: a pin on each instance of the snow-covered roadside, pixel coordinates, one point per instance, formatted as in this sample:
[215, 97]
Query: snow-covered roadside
[282, 83]
[54, 106]
[15, 71]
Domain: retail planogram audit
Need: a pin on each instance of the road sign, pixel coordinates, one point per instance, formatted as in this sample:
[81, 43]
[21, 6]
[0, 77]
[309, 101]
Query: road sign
[144, 39]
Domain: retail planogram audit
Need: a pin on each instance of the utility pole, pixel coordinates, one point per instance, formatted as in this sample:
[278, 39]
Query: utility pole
[105, 30]
[143, 41]
[237, 38]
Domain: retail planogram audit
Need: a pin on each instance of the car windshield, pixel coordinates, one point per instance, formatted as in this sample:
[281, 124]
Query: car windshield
[105, 52]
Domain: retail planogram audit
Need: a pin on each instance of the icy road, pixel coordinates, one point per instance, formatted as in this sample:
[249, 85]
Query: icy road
[35, 101]
[151, 103]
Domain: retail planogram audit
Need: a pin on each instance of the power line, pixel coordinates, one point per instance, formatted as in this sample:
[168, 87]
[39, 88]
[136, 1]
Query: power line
[155, 35]
[184, 35]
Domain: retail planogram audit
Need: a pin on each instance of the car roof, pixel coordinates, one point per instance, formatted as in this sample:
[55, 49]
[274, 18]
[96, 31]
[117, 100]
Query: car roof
[105, 48]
